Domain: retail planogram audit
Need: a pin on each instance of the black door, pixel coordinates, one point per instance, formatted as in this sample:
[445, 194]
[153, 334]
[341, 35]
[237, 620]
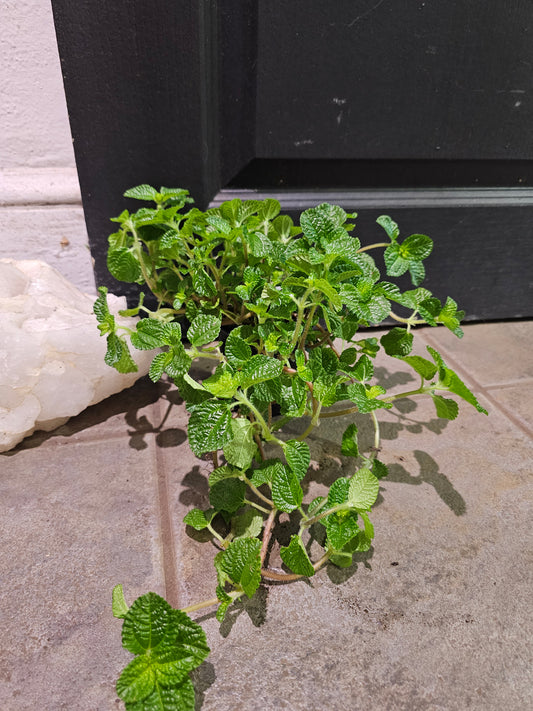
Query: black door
[418, 109]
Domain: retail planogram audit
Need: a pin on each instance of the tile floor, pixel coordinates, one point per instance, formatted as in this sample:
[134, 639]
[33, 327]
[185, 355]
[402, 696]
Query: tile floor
[436, 616]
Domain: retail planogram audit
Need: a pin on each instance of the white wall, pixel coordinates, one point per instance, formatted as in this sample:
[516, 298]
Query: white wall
[40, 206]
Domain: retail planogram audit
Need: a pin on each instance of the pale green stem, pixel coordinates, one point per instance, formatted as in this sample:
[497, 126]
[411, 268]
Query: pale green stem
[373, 246]
[409, 321]
[339, 507]
[257, 492]
[209, 603]
[299, 318]
[241, 398]
[307, 326]
[216, 535]
[376, 430]
[256, 506]
[289, 577]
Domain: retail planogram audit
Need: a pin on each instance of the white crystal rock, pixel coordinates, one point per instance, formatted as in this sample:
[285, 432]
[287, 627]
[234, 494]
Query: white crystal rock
[51, 353]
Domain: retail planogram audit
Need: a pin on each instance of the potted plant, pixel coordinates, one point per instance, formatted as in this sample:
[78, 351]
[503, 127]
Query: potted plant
[277, 308]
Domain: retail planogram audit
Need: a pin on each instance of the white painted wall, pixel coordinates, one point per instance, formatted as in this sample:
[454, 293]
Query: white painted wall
[40, 206]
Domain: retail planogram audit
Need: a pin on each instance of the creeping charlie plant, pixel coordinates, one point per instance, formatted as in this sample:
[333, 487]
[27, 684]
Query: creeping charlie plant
[277, 308]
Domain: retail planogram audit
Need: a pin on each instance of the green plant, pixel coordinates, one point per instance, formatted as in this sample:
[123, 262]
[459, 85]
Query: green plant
[294, 298]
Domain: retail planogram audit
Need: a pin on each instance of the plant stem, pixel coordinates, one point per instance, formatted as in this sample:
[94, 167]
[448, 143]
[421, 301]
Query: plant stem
[339, 507]
[257, 492]
[410, 321]
[339, 413]
[310, 316]
[216, 535]
[376, 431]
[256, 506]
[373, 246]
[201, 605]
[267, 534]
[289, 577]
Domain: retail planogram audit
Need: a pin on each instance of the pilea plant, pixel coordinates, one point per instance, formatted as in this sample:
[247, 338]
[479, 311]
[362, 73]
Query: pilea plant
[277, 308]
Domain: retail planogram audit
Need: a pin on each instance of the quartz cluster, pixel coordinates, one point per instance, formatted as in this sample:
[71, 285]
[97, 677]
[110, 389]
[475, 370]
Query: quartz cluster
[51, 353]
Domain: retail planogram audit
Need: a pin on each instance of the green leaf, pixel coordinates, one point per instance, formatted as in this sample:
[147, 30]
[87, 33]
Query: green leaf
[118, 355]
[379, 470]
[363, 490]
[119, 607]
[149, 334]
[241, 448]
[203, 284]
[223, 383]
[224, 472]
[204, 329]
[422, 366]
[416, 247]
[396, 265]
[199, 519]
[322, 222]
[451, 318]
[341, 527]
[227, 495]
[295, 557]
[209, 427]
[363, 370]
[247, 525]
[179, 362]
[142, 192]
[181, 696]
[287, 493]
[268, 209]
[100, 307]
[449, 380]
[349, 441]
[446, 408]
[338, 492]
[266, 471]
[298, 457]
[366, 399]
[258, 369]
[325, 288]
[237, 351]
[123, 265]
[397, 342]
[417, 272]
[241, 562]
[390, 227]
[259, 244]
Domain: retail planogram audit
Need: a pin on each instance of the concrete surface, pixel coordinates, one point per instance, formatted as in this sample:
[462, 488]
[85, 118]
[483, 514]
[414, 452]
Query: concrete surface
[436, 616]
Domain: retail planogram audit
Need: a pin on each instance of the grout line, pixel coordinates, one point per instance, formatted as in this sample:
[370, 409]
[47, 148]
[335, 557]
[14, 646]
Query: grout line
[509, 384]
[481, 389]
[170, 571]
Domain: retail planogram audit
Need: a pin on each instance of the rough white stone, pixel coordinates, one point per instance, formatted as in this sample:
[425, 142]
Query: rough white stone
[51, 353]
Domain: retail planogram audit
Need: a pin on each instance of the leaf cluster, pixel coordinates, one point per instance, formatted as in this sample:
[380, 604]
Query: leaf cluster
[277, 308]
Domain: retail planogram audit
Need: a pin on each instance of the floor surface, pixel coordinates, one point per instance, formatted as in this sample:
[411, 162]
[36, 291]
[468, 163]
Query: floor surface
[436, 616]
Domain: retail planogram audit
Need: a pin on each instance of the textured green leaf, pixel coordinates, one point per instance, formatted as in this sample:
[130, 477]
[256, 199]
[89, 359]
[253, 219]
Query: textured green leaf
[417, 272]
[379, 470]
[223, 383]
[100, 307]
[241, 448]
[179, 362]
[203, 284]
[241, 562]
[204, 329]
[150, 333]
[227, 495]
[266, 471]
[268, 209]
[363, 490]
[390, 227]
[209, 427]
[237, 351]
[259, 244]
[449, 380]
[287, 493]
[396, 265]
[416, 247]
[118, 355]
[338, 492]
[258, 369]
[298, 457]
[123, 265]
[422, 366]
[295, 557]
[316, 504]
[446, 408]
[366, 400]
[322, 222]
[247, 525]
[119, 606]
[349, 441]
[397, 342]
[364, 369]
[341, 527]
[224, 472]
[180, 696]
[199, 519]
[142, 192]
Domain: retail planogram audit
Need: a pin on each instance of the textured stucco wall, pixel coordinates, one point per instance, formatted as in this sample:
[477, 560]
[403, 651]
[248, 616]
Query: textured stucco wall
[40, 207]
